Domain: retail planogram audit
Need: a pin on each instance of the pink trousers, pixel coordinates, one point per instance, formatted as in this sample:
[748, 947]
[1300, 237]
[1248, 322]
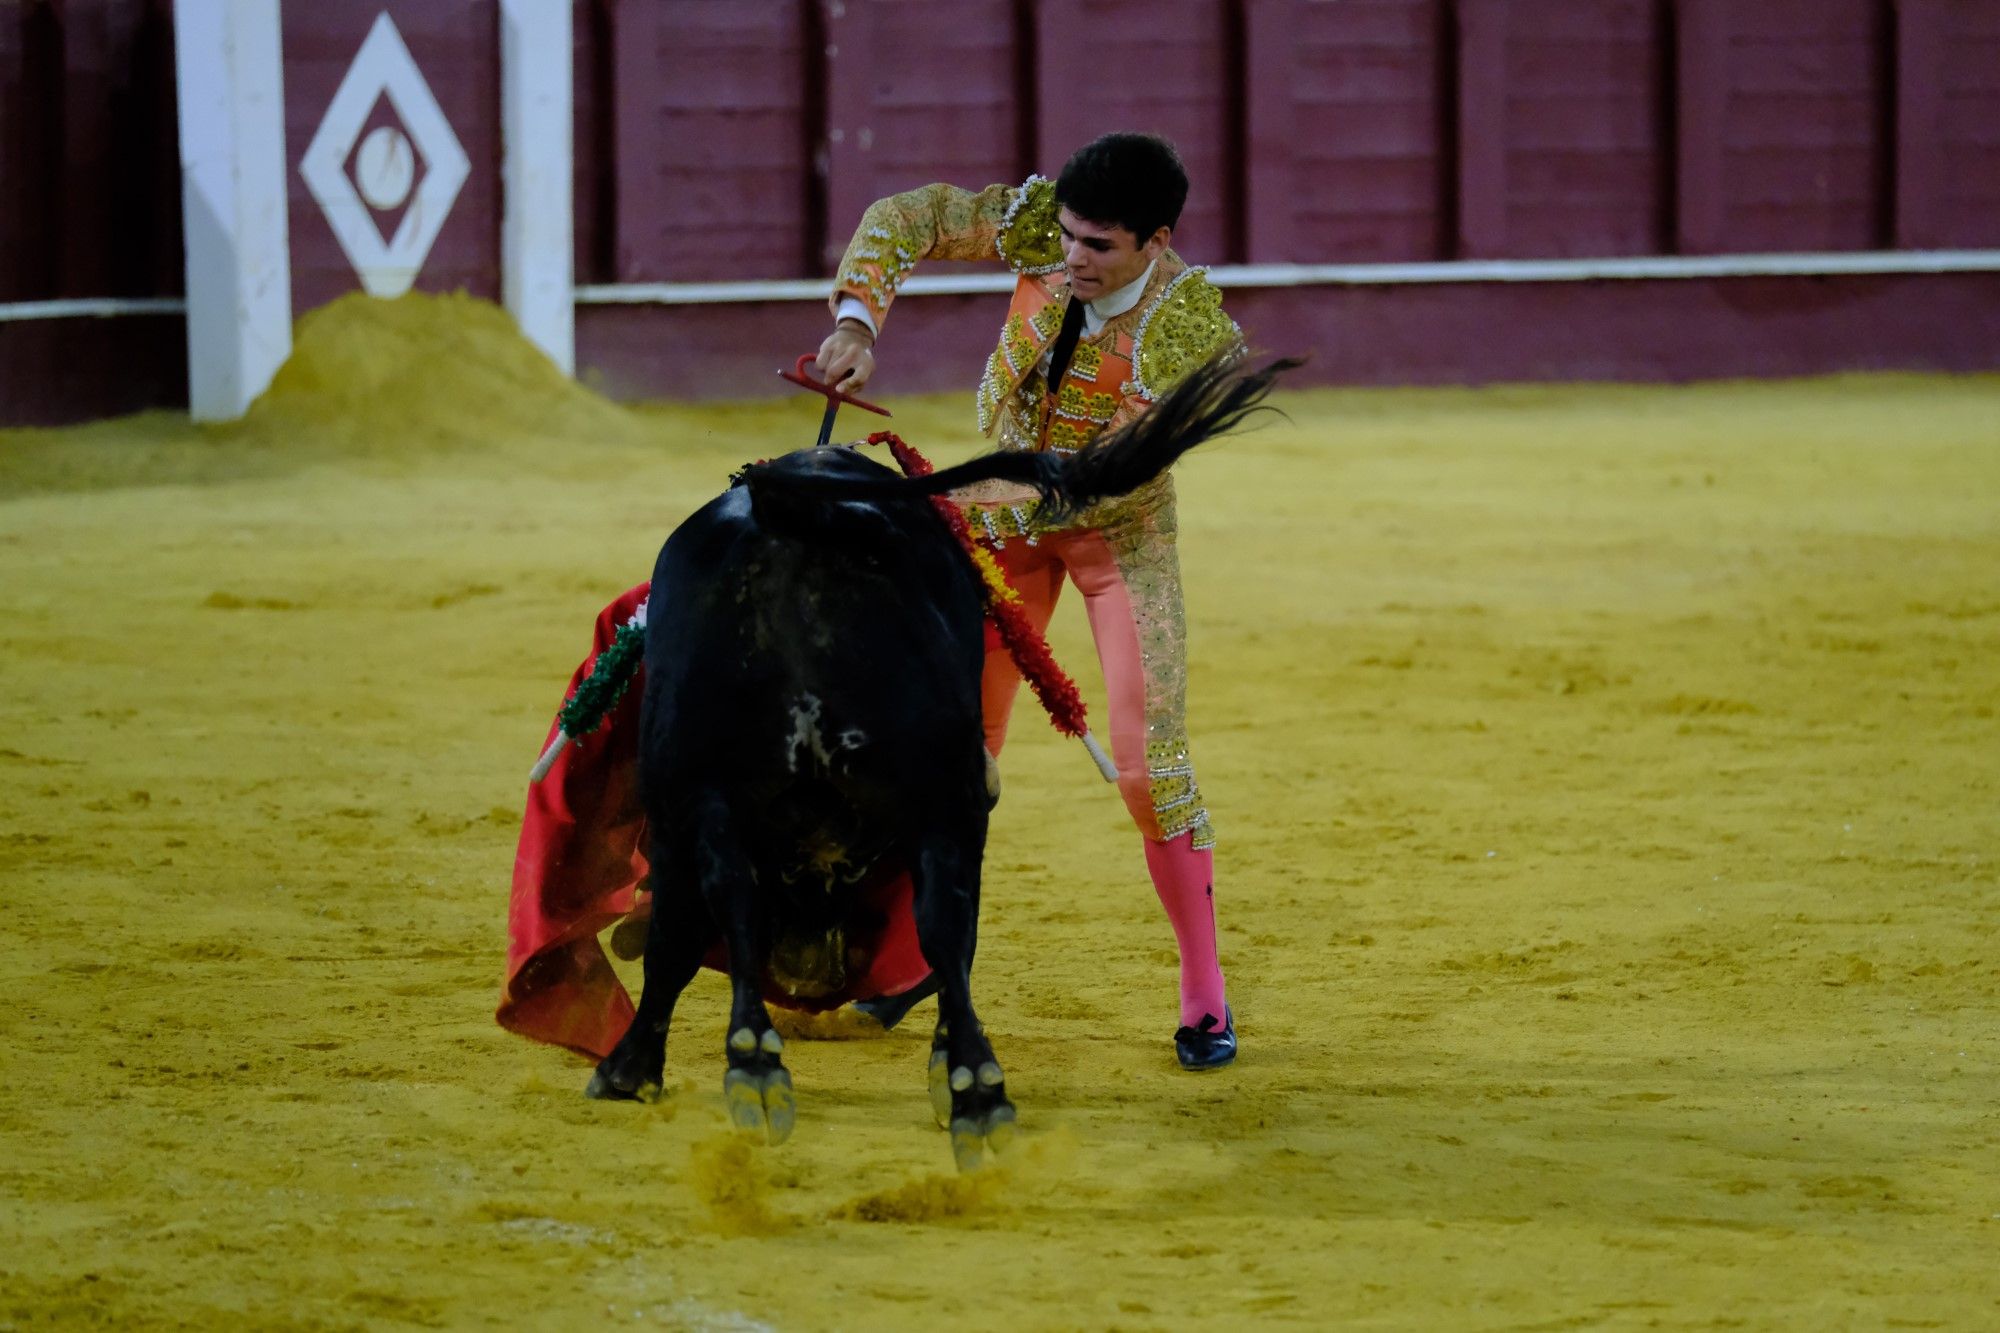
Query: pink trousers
[1037, 572]
[1131, 594]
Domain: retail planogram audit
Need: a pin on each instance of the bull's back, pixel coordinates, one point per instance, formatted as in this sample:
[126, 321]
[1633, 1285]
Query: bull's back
[774, 661]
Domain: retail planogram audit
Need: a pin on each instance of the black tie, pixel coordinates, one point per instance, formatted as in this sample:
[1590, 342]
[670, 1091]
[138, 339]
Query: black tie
[1072, 328]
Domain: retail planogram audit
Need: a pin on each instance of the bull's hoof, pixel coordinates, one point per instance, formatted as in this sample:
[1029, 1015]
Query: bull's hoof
[604, 1087]
[940, 1081]
[761, 1103]
[973, 1137]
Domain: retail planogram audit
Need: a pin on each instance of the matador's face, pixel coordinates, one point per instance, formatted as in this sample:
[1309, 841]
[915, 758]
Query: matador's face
[1101, 258]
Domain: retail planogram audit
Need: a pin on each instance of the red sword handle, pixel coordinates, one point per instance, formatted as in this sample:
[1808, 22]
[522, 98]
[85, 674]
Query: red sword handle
[835, 398]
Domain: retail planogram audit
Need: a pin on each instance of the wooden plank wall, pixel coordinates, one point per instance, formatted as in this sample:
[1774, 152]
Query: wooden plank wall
[918, 91]
[753, 132]
[1173, 67]
[1350, 127]
[1786, 115]
[738, 139]
[89, 150]
[1948, 122]
[1586, 130]
[90, 206]
[710, 143]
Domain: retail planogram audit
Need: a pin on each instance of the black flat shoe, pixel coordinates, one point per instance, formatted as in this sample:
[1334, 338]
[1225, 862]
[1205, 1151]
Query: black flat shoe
[889, 1010]
[1204, 1047]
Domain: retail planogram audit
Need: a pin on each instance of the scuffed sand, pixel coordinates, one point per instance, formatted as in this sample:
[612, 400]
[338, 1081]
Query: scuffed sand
[1606, 780]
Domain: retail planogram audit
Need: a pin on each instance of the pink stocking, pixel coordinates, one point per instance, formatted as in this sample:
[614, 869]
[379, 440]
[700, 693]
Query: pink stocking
[1185, 880]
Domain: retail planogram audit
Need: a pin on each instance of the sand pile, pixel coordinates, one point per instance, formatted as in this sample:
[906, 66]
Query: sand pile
[423, 372]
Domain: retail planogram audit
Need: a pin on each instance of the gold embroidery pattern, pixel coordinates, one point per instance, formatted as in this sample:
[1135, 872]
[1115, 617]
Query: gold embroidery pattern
[1000, 524]
[1020, 353]
[1095, 408]
[1030, 239]
[1012, 436]
[1014, 411]
[1069, 438]
[1143, 540]
[1182, 328]
[877, 261]
[933, 222]
[1176, 795]
[1126, 509]
[1178, 329]
[992, 387]
[1011, 366]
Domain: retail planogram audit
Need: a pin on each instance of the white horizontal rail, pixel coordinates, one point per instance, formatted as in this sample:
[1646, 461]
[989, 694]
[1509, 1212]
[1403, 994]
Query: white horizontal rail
[1638, 268]
[91, 308]
[782, 289]
[1643, 268]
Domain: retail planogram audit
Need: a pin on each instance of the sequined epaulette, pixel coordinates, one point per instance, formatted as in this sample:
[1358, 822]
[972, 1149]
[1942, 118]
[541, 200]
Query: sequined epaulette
[1183, 327]
[1030, 238]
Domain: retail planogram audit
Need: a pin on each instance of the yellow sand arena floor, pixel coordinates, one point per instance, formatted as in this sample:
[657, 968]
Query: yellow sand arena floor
[1606, 781]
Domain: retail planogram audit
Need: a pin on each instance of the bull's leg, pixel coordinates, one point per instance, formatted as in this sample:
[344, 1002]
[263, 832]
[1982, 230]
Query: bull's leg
[758, 1088]
[679, 933]
[968, 1091]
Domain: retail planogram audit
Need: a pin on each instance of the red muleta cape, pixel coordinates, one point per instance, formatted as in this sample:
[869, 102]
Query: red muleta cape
[578, 869]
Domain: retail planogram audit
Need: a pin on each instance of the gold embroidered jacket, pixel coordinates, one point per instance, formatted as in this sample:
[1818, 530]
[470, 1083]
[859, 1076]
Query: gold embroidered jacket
[1113, 375]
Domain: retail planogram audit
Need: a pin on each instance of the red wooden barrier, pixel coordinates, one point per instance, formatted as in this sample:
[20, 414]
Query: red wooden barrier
[1483, 128]
[919, 92]
[30, 95]
[1270, 93]
[89, 161]
[1587, 171]
[1803, 152]
[1370, 160]
[1167, 67]
[740, 139]
[1701, 106]
[89, 206]
[713, 144]
[592, 188]
[1955, 68]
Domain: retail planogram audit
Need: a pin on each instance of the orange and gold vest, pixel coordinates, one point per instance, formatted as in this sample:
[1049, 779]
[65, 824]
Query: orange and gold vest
[1136, 357]
[1093, 388]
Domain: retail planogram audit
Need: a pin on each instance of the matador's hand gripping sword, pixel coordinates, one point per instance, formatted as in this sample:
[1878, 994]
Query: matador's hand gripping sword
[834, 397]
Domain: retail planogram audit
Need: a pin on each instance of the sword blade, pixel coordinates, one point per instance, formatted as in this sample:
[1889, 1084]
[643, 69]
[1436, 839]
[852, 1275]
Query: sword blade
[826, 422]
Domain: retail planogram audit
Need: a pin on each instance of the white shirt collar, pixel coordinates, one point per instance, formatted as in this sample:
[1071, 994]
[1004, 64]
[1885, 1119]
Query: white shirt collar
[1113, 304]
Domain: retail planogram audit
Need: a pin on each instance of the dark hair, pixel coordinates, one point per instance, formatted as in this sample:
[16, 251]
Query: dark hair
[1134, 181]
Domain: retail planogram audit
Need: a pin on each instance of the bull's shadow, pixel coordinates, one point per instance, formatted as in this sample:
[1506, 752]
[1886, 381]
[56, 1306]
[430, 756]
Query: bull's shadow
[811, 722]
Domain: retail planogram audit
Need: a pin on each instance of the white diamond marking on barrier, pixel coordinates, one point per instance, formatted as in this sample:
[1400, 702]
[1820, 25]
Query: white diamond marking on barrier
[384, 68]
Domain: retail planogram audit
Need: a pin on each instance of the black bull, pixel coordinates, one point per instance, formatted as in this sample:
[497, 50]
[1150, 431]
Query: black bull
[813, 657]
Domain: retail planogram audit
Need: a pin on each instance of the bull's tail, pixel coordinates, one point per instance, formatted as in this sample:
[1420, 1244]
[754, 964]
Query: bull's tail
[1214, 399]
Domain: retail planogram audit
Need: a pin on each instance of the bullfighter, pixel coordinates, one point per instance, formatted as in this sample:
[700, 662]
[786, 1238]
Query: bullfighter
[1105, 319]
